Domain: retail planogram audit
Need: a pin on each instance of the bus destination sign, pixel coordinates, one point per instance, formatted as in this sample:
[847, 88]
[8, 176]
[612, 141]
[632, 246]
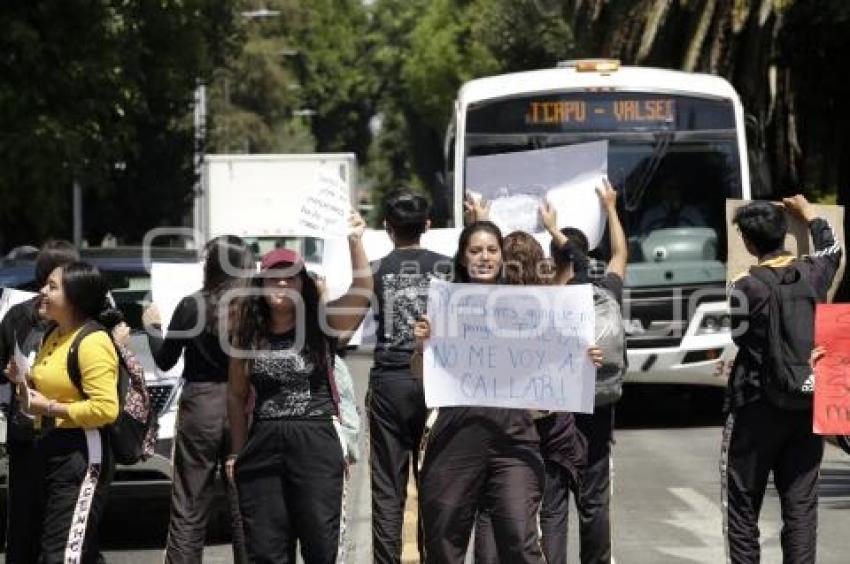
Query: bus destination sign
[601, 113]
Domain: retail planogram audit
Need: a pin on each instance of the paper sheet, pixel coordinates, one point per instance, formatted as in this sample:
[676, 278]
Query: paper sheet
[12, 297]
[171, 282]
[323, 211]
[516, 184]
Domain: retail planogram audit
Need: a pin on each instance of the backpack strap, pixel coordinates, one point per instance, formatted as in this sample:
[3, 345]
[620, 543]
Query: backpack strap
[766, 275]
[73, 365]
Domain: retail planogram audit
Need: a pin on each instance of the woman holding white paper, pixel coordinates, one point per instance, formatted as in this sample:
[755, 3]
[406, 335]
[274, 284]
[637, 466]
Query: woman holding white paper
[479, 458]
[72, 462]
[202, 434]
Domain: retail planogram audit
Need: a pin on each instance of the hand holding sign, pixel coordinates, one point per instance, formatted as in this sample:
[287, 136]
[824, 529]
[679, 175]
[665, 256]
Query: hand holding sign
[356, 226]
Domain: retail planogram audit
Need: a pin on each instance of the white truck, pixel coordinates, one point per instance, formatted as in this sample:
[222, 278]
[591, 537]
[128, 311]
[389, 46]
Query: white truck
[258, 197]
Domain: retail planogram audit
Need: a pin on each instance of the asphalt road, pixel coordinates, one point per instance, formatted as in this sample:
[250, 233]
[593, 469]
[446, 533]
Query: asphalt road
[666, 504]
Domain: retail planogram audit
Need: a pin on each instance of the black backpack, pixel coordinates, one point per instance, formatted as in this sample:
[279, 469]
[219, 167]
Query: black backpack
[790, 336]
[132, 437]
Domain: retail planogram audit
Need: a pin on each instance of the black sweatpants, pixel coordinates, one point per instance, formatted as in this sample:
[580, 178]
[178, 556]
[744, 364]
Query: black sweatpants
[74, 470]
[201, 444]
[291, 478]
[758, 439]
[478, 459]
[594, 500]
[22, 523]
[564, 451]
[553, 521]
[396, 420]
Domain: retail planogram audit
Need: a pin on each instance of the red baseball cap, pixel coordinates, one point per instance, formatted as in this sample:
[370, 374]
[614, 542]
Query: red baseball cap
[281, 257]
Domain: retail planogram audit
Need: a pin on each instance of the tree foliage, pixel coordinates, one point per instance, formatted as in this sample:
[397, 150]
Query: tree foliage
[438, 46]
[100, 92]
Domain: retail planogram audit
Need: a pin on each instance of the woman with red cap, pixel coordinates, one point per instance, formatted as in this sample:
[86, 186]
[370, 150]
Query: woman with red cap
[290, 466]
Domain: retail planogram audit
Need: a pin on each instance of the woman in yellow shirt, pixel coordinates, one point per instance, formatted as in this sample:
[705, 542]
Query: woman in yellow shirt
[74, 466]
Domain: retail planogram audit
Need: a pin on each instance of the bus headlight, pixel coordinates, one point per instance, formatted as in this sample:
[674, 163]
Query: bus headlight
[714, 323]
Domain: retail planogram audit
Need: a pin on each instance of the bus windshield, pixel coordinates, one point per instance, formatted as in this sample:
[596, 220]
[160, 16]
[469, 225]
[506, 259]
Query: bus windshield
[673, 159]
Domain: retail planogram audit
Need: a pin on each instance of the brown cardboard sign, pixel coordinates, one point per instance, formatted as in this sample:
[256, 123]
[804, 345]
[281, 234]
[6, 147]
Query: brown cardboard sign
[798, 241]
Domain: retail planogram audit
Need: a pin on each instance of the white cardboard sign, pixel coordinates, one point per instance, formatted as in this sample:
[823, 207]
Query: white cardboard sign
[323, 211]
[517, 184]
[510, 346]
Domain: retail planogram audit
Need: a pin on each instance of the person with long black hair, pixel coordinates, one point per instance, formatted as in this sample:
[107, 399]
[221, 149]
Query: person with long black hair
[73, 462]
[477, 459]
[562, 445]
[290, 466]
[22, 326]
[202, 435]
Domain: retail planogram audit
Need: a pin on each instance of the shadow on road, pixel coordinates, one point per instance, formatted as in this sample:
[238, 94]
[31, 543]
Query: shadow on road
[652, 406]
[143, 524]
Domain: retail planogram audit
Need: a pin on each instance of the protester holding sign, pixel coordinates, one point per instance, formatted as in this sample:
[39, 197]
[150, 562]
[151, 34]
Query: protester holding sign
[479, 458]
[290, 466]
[569, 250]
[769, 400]
[562, 445]
[202, 435]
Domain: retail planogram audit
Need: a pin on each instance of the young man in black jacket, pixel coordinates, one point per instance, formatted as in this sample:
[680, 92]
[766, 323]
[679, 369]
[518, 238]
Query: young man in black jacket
[763, 434]
[396, 399]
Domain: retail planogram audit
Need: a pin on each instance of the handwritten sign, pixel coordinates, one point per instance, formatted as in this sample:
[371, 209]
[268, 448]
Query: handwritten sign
[798, 241]
[516, 184]
[324, 210]
[832, 372]
[510, 346]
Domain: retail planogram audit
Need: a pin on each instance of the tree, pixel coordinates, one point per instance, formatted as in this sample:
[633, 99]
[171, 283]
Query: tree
[254, 96]
[779, 54]
[101, 92]
[440, 45]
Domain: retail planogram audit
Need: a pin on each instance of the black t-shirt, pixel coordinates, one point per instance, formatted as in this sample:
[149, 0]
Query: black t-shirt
[204, 360]
[289, 383]
[401, 285]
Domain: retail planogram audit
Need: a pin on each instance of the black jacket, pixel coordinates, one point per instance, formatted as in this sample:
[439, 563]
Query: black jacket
[17, 325]
[204, 359]
[750, 296]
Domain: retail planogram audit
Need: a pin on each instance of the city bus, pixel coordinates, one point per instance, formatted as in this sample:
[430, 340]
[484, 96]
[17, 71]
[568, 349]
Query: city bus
[676, 150]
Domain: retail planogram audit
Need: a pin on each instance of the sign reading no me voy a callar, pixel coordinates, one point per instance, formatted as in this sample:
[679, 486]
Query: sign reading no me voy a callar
[510, 346]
